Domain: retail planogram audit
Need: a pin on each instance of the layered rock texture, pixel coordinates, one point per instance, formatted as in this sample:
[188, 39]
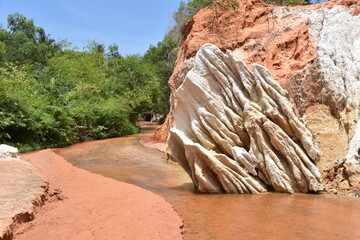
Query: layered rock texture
[313, 53]
[23, 191]
[237, 132]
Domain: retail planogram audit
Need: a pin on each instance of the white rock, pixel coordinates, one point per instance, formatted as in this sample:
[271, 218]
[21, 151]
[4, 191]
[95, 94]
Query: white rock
[237, 132]
[7, 151]
[336, 33]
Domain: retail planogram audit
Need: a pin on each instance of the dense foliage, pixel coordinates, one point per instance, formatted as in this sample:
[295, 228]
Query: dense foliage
[51, 96]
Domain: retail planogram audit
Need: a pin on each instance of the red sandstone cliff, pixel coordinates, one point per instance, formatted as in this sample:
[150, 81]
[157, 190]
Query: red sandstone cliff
[293, 43]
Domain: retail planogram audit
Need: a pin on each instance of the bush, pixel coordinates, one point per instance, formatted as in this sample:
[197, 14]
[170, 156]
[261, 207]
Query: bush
[69, 99]
[288, 2]
[161, 119]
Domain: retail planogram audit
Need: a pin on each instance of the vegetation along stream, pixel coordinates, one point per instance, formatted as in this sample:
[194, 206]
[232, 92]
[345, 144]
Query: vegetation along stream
[206, 216]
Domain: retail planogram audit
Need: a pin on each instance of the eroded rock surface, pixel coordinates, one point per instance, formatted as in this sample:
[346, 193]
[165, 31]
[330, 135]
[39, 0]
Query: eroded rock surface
[22, 193]
[334, 30]
[312, 52]
[236, 131]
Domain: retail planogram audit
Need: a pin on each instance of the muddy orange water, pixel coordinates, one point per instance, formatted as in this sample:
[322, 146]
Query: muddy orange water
[263, 216]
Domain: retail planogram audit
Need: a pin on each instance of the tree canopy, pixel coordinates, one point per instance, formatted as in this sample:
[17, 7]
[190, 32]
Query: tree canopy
[52, 95]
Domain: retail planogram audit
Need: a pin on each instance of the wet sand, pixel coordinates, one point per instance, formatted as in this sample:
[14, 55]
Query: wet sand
[263, 216]
[89, 206]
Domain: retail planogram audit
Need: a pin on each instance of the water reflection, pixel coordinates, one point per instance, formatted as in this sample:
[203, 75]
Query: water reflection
[264, 216]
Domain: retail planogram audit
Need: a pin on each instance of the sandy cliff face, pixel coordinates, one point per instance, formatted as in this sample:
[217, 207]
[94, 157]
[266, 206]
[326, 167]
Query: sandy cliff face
[313, 52]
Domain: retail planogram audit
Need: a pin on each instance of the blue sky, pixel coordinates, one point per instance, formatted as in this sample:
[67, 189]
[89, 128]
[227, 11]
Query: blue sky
[133, 25]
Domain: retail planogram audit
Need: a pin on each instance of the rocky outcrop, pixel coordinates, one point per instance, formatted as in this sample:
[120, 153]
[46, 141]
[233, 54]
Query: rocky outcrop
[334, 32]
[23, 191]
[7, 151]
[312, 52]
[237, 132]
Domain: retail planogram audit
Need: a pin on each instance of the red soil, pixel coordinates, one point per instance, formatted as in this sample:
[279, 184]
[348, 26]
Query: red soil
[89, 206]
[161, 133]
[284, 46]
[256, 35]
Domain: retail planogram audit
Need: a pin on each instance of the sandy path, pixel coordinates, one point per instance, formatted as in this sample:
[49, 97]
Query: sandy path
[90, 206]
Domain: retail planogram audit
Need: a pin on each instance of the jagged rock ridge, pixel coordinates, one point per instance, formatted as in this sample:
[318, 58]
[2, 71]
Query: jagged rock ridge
[236, 131]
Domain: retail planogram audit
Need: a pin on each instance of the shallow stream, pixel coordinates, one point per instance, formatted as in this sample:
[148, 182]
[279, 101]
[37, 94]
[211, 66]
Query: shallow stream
[263, 216]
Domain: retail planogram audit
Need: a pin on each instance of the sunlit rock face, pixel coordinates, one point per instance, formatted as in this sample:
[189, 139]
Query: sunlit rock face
[335, 31]
[236, 131]
[313, 52]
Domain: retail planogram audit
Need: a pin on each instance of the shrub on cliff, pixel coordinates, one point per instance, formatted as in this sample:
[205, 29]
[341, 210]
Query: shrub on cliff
[288, 2]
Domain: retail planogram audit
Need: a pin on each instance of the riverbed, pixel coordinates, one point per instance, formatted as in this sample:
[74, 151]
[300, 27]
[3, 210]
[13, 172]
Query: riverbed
[220, 216]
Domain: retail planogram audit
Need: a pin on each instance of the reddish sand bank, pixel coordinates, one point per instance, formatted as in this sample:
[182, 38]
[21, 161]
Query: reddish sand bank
[89, 206]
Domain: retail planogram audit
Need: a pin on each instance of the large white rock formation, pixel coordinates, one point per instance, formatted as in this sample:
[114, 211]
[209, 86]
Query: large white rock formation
[236, 131]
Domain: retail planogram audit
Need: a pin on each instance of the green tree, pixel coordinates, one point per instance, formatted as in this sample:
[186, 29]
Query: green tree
[163, 57]
[2, 52]
[95, 47]
[52, 95]
[136, 81]
[30, 119]
[25, 42]
[18, 23]
[113, 51]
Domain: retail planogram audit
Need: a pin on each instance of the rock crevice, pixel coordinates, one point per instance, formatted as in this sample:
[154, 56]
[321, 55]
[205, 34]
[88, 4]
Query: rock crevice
[236, 131]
